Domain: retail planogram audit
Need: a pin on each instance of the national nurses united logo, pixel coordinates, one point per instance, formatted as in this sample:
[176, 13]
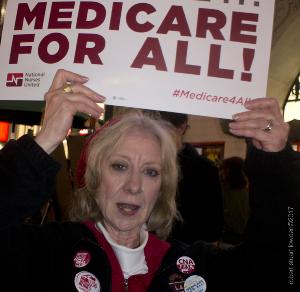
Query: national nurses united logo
[14, 79]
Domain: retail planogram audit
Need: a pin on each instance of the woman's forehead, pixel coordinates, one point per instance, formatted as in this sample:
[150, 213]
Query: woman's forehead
[138, 133]
[133, 144]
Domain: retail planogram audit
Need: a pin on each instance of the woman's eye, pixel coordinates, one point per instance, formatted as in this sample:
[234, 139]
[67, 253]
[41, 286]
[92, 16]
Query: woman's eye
[151, 172]
[119, 166]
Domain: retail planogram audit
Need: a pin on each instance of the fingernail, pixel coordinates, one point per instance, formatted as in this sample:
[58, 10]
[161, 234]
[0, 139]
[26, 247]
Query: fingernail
[233, 131]
[235, 117]
[84, 78]
[247, 105]
[100, 97]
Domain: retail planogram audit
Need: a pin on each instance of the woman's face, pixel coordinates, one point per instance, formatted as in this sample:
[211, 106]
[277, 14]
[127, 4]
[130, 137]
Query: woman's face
[130, 184]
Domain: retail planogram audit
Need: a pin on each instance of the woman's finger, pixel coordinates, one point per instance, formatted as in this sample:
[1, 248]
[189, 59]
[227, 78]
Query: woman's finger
[263, 123]
[63, 76]
[255, 115]
[83, 104]
[77, 88]
[266, 103]
[255, 124]
[267, 108]
[270, 142]
[87, 92]
[72, 103]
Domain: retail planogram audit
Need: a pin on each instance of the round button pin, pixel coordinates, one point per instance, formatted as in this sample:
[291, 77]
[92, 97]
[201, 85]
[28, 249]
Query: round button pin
[86, 282]
[81, 259]
[185, 265]
[194, 283]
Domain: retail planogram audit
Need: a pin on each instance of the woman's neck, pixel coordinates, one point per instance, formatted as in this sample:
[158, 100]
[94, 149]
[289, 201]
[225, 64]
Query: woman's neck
[127, 239]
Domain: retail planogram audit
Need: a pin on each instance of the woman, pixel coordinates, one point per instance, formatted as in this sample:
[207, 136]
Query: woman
[126, 203]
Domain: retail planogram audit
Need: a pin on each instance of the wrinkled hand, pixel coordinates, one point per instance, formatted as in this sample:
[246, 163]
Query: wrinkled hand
[61, 107]
[252, 124]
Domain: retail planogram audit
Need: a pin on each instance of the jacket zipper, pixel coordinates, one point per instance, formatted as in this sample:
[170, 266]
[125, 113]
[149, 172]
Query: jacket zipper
[126, 284]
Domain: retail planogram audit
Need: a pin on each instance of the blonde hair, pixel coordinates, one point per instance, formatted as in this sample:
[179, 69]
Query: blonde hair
[84, 206]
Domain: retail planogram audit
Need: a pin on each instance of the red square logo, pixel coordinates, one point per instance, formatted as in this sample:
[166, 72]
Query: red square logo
[14, 79]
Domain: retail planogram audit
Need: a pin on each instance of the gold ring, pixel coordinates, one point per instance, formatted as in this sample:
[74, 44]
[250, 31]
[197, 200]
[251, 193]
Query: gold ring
[67, 88]
[269, 126]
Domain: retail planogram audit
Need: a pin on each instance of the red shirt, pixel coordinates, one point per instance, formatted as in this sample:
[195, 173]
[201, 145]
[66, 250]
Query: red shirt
[155, 250]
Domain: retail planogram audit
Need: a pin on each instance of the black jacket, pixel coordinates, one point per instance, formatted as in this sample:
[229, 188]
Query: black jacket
[40, 258]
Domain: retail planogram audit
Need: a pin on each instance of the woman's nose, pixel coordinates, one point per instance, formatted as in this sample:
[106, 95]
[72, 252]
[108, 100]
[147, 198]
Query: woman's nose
[134, 184]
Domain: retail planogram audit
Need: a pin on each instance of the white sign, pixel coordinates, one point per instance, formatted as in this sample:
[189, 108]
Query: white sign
[203, 57]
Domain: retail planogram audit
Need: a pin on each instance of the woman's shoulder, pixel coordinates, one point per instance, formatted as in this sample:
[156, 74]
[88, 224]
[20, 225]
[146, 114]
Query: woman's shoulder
[52, 234]
[68, 229]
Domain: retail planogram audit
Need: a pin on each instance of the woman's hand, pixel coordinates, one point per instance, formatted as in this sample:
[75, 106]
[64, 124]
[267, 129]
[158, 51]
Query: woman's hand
[66, 96]
[263, 122]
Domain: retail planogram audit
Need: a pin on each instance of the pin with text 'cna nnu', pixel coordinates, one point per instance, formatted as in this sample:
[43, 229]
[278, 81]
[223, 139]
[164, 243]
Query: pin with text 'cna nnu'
[185, 265]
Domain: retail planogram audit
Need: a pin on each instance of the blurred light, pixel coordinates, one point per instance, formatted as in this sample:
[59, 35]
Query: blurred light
[292, 104]
[102, 115]
[292, 111]
[83, 132]
[4, 131]
[25, 129]
[66, 148]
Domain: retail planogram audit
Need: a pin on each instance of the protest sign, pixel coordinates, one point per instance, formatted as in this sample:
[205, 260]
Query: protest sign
[203, 57]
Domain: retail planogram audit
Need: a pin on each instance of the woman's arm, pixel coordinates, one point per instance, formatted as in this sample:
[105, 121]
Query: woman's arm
[27, 172]
[272, 166]
[273, 169]
[27, 179]
[67, 95]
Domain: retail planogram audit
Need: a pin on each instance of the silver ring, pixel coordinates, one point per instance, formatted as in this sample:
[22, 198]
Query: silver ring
[269, 126]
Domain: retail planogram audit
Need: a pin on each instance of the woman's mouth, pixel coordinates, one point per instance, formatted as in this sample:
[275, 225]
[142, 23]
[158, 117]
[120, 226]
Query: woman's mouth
[127, 209]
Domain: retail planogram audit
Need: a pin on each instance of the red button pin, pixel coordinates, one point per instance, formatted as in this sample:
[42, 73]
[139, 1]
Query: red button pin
[81, 259]
[185, 265]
